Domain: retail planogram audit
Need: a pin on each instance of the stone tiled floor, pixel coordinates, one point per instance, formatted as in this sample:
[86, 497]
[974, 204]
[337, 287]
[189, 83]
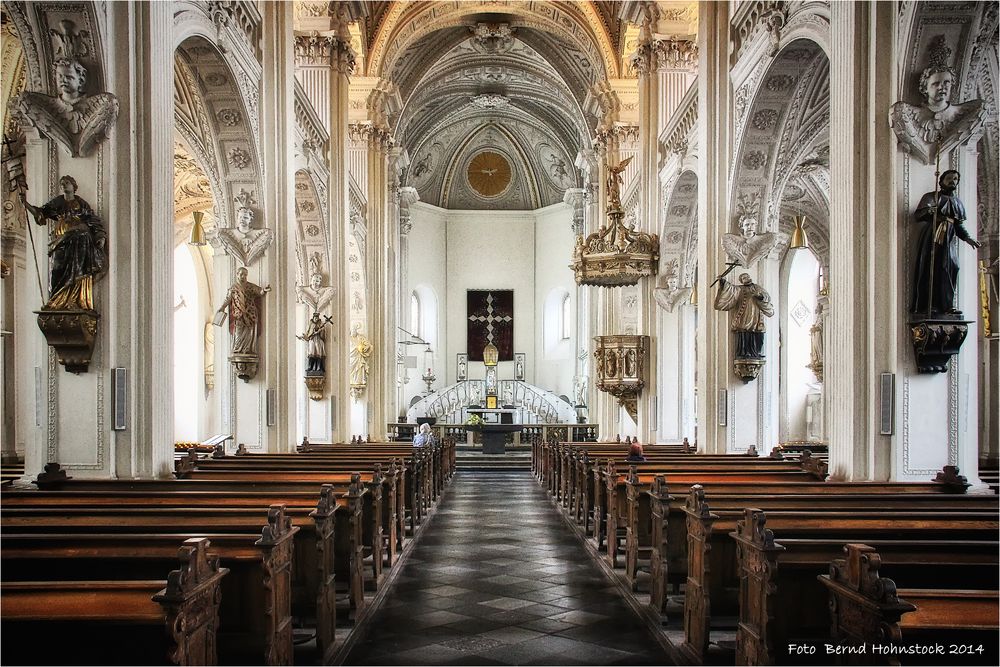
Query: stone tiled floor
[498, 579]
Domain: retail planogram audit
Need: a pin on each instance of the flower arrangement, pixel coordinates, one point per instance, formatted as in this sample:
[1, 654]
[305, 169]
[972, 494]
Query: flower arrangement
[475, 420]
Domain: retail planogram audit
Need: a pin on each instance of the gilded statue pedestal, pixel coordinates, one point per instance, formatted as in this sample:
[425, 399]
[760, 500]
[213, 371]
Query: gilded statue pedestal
[748, 369]
[72, 333]
[315, 383]
[936, 340]
[245, 365]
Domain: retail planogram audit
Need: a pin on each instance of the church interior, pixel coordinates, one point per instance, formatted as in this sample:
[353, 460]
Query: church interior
[500, 332]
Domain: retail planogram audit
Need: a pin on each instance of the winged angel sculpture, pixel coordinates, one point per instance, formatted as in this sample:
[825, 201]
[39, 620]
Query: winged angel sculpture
[668, 292]
[243, 242]
[77, 121]
[748, 247]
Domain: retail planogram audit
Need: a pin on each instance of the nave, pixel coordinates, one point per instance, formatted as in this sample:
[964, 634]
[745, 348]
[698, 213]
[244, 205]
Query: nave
[498, 578]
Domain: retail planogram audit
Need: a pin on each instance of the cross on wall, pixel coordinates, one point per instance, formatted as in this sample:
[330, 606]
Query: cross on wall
[490, 318]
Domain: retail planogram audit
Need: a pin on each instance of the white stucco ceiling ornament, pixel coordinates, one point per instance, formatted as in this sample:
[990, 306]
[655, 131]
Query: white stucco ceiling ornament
[490, 101]
[243, 242]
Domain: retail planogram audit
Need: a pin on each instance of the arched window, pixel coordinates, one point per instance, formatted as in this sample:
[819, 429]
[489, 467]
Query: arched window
[565, 325]
[415, 314]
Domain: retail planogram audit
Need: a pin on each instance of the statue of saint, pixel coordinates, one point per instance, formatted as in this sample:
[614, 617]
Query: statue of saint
[77, 121]
[936, 126]
[816, 343]
[315, 335]
[241, 305]
[936, 268]
[77, 251]
[361, 353]
[750, 304]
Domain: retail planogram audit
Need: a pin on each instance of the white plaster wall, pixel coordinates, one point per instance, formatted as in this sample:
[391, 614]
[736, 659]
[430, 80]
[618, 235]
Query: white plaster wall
[526, 251]
[491, 250]
[553, 362]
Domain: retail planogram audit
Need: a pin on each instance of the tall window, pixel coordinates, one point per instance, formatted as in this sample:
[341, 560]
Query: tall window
[564, 319]
[415, 315]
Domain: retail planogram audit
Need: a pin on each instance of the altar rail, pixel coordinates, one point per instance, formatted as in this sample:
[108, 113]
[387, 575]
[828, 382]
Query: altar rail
[401, 432]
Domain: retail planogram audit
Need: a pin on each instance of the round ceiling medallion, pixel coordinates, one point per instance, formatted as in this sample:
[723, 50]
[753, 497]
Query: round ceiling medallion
[489, 173]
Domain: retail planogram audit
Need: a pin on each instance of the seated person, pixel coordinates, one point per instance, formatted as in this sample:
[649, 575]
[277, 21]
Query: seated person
[635, 452]
[424, 438]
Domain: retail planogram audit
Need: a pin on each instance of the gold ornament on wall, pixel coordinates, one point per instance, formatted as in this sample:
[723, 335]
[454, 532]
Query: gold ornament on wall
[489, 174]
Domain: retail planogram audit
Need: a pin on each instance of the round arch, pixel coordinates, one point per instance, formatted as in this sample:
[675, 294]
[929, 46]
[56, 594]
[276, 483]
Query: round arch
[579, 23]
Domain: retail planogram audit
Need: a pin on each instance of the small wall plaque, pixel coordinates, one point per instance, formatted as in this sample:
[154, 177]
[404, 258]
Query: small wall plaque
[119, 398]
[886, 403]
[723, 408]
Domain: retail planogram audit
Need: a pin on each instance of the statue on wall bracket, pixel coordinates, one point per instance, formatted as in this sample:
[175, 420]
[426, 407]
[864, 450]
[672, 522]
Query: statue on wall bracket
[938, 328]
[315, 338]
[750, 304]
[243, 307]
[73, 119]
[244, 242]
[78, 257]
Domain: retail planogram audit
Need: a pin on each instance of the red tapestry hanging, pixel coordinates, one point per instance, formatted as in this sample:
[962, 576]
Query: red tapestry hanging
[490, 320]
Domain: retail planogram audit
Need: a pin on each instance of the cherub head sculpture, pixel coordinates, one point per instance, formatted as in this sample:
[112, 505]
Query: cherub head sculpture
[71, 77]
[748, 226]
[935, 85]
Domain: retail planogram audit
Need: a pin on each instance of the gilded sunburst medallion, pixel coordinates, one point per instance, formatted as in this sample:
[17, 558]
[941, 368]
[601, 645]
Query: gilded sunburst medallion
[489, 173]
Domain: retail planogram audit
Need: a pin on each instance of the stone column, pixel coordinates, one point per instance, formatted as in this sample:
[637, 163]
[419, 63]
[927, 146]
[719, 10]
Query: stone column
[648, 221]
[277, 119]
[577, 199]
[715, 144]
[383, 239]
[863, 296]
[607, 412]
[324, 62]
[404, 196]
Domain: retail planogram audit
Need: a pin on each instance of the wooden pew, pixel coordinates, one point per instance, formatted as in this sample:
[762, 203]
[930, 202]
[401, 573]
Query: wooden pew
[868, 609]
[386, 496]
[117, 622]
[714, 558]
[325, 557]
[256, 623]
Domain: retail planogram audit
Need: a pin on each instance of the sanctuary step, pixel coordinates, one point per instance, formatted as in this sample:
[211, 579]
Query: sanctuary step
[471, 459]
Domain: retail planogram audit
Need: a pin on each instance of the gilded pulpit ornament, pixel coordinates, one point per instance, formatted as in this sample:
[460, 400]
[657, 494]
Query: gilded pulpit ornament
[77, 258]
[620, 362]
[361, 354]
[315, 337]
[749, 304]
[938, 328]
[77, 121]
[615, 255]
[244, 243]
[243, 307]
[936, 126]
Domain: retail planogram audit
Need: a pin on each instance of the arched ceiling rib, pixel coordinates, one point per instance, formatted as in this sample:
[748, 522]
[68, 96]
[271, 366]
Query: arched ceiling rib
[783, 160]
[474, 86]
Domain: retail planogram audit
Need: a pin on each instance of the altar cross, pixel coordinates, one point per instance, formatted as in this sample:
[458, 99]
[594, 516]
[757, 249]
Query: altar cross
[489, 318]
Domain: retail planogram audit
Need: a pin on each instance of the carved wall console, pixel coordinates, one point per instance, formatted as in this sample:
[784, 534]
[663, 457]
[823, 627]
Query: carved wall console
[621, 367]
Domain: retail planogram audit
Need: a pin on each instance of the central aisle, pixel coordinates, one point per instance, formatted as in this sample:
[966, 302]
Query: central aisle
[498, 578]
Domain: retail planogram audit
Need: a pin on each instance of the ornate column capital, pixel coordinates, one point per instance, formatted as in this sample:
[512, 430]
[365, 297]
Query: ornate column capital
[324, 49]
[577, 198]
[378, 139]
[665, 55]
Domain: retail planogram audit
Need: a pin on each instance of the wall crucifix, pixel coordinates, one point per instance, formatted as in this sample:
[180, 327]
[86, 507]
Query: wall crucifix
[490, 320]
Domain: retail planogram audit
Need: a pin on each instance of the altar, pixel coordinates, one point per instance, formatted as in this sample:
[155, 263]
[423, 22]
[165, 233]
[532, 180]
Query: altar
[498, 422]
[495, 436]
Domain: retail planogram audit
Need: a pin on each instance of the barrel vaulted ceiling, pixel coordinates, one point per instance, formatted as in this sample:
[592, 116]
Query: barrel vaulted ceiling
[494, 77]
